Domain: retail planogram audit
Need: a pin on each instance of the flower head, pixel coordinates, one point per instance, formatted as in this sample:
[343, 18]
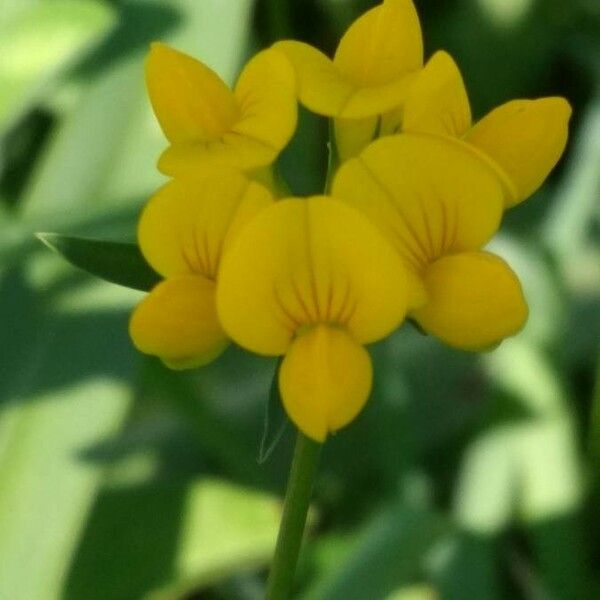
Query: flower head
[374, 66]
[205, 122]
[314, 280]
[439, 205]
[184, 231]
[521, 140]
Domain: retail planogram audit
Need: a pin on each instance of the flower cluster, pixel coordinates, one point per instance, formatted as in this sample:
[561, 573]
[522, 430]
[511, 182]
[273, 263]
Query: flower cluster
[417, 191]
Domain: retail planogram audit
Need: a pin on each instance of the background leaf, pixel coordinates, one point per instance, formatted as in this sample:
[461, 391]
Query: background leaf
[466, 476]
[199, 532]
[69, 371]
[116, 262]
[39, 40]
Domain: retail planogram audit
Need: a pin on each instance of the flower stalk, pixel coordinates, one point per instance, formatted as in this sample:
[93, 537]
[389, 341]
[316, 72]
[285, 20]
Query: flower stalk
[293, 521]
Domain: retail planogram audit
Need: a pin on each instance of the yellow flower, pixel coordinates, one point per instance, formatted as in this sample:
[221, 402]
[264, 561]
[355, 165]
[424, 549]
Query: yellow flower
[439, 205]
[314, 280]
[521, 140]
[206, 122]
[374, 64]
[183, 232]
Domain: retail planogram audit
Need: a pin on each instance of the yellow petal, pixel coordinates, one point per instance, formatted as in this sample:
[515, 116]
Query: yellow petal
[190, 101]
[525, 139]
[428, 195]
[375, 100]
[320, 86]
[303, 262]
[261, 124]
[352, 135]
[325, 380]
[178, 322]
[254, 199]
[437, 102]
[324, 90]
[270, 178]
[230, 150]
[475, 301]
[186, 225]
[382, 45]
[266, 95]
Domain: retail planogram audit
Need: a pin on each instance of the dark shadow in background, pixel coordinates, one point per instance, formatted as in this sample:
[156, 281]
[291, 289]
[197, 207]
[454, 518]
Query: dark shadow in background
[117, 541]
[47, 351]
[561, 557]
[471, 571]
[22, 146]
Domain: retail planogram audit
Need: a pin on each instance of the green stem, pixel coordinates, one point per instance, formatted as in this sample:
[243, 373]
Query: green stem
[293, 520]
[333, 161]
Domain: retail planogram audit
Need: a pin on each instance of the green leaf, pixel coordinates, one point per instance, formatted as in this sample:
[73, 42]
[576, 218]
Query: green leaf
[464, 566]
[575, 208]
[39, 41]
[67, 376]
[107, 147]
[64, 388]
[484, 501]
[41, 477]
[387, 555]
[217, 528]
[117, 262]
[414, 592]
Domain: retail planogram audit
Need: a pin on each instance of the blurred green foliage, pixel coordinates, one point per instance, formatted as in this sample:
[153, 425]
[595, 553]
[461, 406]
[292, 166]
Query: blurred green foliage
[466, 476]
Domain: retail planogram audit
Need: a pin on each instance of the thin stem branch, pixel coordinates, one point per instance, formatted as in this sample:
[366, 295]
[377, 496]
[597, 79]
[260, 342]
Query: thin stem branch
[333, 161]
[293, 520]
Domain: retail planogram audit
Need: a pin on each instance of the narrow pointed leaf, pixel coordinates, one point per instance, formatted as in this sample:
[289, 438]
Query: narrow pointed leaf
[117, 262]
[275, 422]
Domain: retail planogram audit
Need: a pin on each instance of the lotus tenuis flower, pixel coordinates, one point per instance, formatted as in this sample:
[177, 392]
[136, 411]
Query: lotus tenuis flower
[439, 205]
[521, 140]
[419, 191]
[205, 122]
[364, 85]
[313, 280]
[184, 232]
